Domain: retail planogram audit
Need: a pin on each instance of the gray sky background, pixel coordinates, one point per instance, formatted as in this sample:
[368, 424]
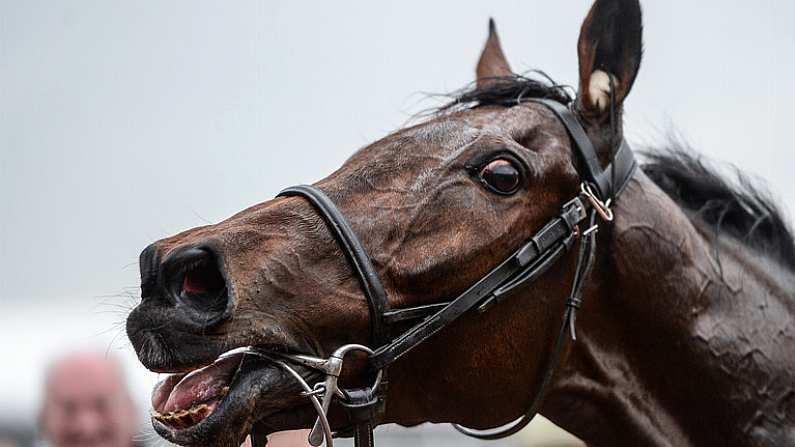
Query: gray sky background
[121, 123]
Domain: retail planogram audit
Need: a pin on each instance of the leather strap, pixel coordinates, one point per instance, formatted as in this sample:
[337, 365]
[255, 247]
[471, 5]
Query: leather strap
[412, 313]
[623, 163]
[525, 264]
[363, 435]
[585, 261]
[363, 408]
[258, 438]
[354, 252]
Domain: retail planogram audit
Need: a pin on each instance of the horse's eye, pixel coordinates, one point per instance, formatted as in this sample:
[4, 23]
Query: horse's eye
[501, 175]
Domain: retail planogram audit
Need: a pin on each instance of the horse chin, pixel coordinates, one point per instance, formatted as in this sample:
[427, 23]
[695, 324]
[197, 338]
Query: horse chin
[259, 392]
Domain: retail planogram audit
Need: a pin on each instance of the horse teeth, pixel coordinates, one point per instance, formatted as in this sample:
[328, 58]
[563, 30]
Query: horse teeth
[184, 418]
[200, 413]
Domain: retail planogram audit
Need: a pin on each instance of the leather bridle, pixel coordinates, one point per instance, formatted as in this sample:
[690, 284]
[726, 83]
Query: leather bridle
[577, 221]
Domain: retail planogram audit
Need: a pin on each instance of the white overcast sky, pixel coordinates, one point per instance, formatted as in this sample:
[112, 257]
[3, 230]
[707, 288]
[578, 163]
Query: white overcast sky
[124, 122]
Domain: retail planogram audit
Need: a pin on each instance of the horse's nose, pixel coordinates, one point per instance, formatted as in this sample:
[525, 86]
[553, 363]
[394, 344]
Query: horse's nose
[149, 266]
[193, 277]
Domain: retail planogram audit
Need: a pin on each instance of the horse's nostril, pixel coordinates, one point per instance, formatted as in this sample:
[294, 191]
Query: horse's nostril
[195, 279]
[202, 280]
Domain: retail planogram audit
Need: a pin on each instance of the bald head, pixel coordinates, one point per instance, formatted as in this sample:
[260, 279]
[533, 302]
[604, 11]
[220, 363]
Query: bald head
[86, 403]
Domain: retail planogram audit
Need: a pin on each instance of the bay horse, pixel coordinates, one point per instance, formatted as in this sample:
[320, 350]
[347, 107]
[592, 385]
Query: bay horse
[685, 333]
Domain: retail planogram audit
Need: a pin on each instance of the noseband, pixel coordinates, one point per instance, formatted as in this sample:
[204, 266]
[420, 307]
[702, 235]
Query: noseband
[577, 220]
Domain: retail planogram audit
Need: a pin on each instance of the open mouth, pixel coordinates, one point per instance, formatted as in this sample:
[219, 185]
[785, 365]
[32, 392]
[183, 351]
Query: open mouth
[218, 404]
[184, 400]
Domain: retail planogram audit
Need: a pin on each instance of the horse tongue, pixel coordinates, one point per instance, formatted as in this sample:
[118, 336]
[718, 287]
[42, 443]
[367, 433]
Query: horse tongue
[163, 389]
[201, 385]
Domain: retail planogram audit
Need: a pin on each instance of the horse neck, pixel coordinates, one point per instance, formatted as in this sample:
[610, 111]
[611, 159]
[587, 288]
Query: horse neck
[684, 340]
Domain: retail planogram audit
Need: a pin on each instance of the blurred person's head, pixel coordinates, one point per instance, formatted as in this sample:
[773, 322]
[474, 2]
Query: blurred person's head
[86, 403]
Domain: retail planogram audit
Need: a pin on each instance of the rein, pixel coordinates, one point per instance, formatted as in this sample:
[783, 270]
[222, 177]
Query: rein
[578, 219]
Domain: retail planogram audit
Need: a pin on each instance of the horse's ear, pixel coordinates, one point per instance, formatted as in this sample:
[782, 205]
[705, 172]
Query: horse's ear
[610, 48]
[492, 64]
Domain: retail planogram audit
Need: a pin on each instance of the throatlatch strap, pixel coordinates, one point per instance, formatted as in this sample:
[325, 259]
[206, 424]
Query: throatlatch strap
[585, 261]
[354, 252]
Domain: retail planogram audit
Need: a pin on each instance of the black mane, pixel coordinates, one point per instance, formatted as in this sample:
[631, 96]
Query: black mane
[507, 91]
[741, 209]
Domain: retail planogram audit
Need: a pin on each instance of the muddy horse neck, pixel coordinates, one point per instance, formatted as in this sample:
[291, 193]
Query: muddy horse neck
[696, 331]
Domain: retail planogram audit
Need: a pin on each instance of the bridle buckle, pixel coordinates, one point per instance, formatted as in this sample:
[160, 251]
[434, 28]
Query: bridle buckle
[602, 208]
